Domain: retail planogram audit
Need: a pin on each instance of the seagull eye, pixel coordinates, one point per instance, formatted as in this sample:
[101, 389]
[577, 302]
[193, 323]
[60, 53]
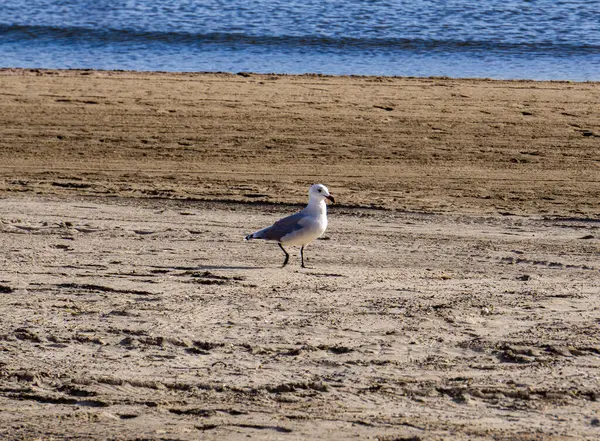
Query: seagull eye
[320, 190]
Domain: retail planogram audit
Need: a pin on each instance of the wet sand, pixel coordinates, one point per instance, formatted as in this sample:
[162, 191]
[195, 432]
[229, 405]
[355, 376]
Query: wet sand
[454, 295]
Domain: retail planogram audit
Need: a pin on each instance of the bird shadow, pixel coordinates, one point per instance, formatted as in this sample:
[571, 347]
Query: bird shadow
[318, 274]
[206, 267]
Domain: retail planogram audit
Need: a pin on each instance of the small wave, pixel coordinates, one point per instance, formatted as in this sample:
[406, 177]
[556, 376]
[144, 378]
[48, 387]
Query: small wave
[71, 35]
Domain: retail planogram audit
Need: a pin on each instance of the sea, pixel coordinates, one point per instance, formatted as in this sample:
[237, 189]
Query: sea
[500, 39]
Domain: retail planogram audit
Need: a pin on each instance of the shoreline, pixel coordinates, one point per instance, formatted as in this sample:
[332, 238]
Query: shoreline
[306, 74]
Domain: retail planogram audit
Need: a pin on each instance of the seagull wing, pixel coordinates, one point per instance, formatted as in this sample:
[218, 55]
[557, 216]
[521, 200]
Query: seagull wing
[282, 227]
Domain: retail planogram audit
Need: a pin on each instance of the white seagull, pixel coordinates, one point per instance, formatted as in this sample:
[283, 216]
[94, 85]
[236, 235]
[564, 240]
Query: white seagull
[300, 228]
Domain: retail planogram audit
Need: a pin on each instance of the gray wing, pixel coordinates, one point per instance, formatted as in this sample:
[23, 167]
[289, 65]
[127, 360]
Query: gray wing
[281, 228]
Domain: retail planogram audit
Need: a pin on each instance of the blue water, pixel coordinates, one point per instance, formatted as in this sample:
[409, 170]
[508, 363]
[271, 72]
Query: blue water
[505, 39]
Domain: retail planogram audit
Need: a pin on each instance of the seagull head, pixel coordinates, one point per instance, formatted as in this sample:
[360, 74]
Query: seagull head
[320, 192]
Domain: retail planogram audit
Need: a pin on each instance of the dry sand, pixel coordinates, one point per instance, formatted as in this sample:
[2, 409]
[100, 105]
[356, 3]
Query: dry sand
[454, 296]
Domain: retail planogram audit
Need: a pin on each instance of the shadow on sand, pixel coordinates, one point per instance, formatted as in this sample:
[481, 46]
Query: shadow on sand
[205, 268]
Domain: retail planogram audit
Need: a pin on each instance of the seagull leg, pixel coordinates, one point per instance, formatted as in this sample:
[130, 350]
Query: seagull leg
[287, 256]
[302, 256]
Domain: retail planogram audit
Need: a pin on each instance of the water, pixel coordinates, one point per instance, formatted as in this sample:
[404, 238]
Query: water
[504, 39]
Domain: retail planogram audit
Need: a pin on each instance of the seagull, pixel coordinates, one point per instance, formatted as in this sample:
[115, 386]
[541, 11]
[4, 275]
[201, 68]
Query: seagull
[300, 228]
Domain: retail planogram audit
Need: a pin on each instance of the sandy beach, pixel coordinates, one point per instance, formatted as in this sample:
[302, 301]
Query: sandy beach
[454, 296]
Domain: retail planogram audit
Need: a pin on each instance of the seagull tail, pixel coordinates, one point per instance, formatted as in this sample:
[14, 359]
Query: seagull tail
[249, 236]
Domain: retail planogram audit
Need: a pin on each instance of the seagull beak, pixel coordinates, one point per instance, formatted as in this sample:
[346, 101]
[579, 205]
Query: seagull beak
[330, 198]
